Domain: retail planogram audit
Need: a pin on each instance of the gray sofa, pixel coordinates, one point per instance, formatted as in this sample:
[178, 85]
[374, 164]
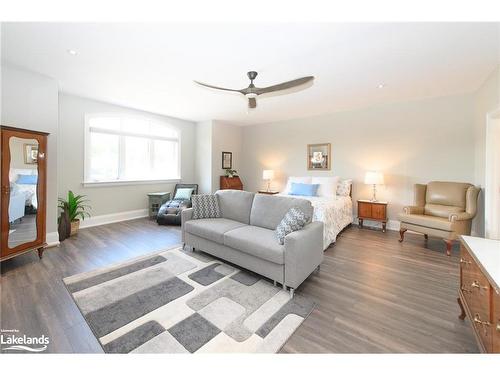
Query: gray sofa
[244, 236]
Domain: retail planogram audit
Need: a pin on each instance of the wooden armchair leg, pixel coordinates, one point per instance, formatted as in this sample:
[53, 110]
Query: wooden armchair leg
[402, 234]
[449, 244]
[426, 237]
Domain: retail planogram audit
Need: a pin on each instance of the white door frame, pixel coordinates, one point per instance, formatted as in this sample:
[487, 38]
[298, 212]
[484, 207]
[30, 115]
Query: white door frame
[491, 215]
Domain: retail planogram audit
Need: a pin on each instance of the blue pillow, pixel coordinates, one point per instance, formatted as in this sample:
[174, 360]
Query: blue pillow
[310, 190]
[183, 193]
[27, 179]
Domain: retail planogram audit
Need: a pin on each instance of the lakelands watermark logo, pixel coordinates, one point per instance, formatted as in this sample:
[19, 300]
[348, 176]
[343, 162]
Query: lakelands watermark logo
[11, 340]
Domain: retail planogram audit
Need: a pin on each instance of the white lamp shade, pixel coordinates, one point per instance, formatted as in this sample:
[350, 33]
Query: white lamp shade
[374, 178]
[267, 174]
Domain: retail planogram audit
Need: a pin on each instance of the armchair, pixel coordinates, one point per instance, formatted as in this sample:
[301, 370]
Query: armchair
[441, 209]
[170, 212]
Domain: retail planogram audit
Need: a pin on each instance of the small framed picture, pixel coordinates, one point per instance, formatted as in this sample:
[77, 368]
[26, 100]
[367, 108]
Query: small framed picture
[227, 160]
[319, 156]
[30, 153]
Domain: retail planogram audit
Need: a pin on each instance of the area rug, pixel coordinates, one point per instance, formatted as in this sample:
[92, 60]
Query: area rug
[180, 301]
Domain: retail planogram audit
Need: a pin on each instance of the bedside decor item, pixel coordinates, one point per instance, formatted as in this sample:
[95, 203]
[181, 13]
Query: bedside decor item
[231, 173]
[374, 178]
[30, 153]
[293, 220]
[372, 210]
[77, 209]
[205, 206]
[227, 160]
[268, 175]
[171, 210]
[156, 200]
[233, 183]
[441, 209]
[319, 156]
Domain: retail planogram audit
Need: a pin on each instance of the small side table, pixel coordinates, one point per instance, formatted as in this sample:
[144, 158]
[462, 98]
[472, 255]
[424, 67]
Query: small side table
[155, 202]
[371, 210]
[268, 192]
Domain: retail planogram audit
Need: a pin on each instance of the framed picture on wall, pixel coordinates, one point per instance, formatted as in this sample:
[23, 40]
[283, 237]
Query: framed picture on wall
[30, 153]
[227, 160]
[319, 156]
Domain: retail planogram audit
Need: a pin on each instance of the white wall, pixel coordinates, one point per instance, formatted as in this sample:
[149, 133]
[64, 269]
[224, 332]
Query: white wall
[486, 99]
[225, 137]
[203, 154]
[30, 101]
[409, 142]
[107, 200]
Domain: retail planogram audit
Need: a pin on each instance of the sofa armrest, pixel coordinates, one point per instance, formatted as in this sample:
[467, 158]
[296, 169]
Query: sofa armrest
[460, 216]
[413, 210]
[303, 253]
[186, 215]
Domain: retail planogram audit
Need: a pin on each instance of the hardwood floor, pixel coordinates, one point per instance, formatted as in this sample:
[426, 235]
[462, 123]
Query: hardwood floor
[374, 295]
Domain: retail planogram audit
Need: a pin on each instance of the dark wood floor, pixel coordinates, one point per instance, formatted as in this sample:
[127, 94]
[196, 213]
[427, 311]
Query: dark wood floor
[374, 294]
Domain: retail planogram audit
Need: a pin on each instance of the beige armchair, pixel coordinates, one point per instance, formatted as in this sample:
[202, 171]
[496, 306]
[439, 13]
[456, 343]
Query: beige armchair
[441, 209]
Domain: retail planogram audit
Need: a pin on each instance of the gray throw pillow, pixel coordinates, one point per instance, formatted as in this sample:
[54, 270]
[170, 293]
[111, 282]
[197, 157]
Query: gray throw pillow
[293, 220]
[205, 206]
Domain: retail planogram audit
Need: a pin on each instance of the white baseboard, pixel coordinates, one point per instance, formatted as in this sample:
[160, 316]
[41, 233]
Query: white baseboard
[113, 218]
[391, 224]
[52, 239]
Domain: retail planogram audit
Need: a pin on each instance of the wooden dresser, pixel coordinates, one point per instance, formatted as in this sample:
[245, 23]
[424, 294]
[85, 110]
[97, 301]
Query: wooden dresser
[372, 210]
[230, 183]
[479, 293]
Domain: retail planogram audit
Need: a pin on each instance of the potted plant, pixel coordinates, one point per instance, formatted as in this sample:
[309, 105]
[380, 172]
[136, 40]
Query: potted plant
[76, 208]
[231, 172]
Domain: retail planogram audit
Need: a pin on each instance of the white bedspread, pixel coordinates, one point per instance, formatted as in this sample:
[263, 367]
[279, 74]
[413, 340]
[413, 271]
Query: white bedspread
[335, 213]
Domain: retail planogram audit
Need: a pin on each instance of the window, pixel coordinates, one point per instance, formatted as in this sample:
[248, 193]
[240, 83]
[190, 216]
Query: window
[125, 149]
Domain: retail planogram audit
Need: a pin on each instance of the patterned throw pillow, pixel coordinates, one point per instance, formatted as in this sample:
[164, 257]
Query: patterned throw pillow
[344, 188]
[183, 193]
[205, 206]
[293, 220]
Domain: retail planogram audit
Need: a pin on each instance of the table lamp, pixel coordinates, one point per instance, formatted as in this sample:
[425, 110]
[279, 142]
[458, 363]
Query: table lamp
[374, 178]
[268, 175]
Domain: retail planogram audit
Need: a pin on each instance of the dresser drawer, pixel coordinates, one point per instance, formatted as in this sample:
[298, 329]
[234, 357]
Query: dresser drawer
[378, 211]
[495, 326]
[475, 286]
[364, 209]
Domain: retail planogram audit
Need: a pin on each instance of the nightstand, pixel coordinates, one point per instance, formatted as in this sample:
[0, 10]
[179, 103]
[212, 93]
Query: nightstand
[268, 192]
[370, 210]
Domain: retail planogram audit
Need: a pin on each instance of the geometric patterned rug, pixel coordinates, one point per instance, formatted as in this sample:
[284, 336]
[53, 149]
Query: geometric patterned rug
[180, 301]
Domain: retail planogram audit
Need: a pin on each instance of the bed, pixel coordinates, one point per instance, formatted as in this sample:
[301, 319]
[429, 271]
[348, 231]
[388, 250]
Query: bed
[334, 209]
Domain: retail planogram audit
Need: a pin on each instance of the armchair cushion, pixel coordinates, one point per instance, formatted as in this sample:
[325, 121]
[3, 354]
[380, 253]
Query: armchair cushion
[427, 221]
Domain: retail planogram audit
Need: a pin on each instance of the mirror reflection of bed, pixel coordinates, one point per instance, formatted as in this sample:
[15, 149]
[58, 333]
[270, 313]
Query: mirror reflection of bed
[23, 204]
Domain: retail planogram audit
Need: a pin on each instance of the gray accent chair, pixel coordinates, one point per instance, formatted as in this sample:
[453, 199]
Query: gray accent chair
[244, 236]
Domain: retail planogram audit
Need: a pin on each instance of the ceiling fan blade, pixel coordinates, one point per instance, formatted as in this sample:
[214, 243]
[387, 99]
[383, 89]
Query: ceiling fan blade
[215, 87]
[284, 85]
[252, 103]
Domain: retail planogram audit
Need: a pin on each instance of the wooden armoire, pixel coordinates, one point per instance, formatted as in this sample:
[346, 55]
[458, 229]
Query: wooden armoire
[23, 191]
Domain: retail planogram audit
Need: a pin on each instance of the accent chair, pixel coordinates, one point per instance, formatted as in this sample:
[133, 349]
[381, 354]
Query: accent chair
[441, 209]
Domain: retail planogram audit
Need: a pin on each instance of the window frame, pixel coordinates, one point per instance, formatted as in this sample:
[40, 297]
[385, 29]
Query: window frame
[87, 182]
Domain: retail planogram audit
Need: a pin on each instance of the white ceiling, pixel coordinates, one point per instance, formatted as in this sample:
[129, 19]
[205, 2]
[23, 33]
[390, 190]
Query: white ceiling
[152, 66]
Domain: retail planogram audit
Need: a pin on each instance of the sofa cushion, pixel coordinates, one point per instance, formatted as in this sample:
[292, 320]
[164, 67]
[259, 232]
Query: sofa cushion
[205, 206]
[235, 204]
[256, 241]
[428, 221]
[294, 220]
[447, 193]
[268, 210]
[211, 229]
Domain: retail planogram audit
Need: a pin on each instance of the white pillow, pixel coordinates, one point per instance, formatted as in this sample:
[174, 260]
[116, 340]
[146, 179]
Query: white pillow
[327, 186]
[300, 180]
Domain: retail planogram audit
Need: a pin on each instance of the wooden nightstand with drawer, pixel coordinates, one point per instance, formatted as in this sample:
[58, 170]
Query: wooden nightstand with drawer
[372, 210]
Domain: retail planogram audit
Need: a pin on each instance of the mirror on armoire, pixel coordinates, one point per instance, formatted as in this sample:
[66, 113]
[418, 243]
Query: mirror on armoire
[23, 206]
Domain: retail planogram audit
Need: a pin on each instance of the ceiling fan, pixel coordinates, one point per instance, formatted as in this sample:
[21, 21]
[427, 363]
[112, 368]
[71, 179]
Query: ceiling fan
[251, 92]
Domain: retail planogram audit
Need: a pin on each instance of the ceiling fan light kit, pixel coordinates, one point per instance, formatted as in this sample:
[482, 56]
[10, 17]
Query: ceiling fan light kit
[252, 92]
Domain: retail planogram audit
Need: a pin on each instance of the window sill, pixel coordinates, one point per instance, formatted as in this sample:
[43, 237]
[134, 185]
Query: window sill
[125, 183]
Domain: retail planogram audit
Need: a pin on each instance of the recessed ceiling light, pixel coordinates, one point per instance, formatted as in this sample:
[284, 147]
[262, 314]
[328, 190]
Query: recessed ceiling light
[381, 85]
[72, 52]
